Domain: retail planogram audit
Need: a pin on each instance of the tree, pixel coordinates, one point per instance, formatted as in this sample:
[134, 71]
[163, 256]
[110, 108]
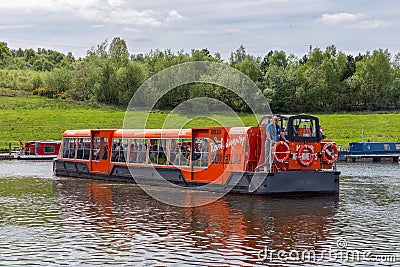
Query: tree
[237, 56]
[60, 79]
[278, 83]
[85, 80]
[251, 67]
[107, 92]
[4, 53]
[118, 52]
[376, 75]
[128, 79]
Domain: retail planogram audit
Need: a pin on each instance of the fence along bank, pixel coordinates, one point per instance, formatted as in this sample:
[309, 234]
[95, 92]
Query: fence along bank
[236, 157]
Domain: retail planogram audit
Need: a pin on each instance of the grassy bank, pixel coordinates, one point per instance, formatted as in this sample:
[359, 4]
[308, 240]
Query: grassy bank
[26, 117]
[346, 128]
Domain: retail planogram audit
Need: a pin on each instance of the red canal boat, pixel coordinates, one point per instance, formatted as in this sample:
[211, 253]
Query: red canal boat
[42, 149]
[238, 158]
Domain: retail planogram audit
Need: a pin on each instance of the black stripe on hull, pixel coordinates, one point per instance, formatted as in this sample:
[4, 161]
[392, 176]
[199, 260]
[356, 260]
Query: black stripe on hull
[287, 183]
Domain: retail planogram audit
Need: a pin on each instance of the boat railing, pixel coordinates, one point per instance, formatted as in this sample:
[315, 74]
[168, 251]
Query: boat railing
[268, 156]
[266, 166]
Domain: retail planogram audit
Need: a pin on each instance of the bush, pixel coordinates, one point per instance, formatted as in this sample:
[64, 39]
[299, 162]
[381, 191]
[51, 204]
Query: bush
[49, 92]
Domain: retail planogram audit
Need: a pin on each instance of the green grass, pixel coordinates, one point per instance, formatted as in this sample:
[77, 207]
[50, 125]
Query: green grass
[34, 117]
[346, 128]
[26, 117]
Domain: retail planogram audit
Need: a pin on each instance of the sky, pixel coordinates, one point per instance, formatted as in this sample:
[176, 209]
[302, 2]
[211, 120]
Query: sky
[221, 26]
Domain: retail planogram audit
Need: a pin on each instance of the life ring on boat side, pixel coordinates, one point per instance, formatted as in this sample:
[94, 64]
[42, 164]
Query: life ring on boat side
[306, 161]
[329, 153]
[279, 149]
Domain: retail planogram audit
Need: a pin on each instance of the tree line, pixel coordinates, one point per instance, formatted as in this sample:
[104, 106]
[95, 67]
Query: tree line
[320, 81]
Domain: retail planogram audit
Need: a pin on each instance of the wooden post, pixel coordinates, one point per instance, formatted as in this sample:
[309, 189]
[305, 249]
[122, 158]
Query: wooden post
[9, 149]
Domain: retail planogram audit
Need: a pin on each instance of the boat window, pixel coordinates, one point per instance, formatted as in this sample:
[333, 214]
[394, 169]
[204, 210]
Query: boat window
[100, 148]
[304, 128]
[69, 147]
[104, 148]
[83, 151]
[386, 146]
[119, 150]
[180, 152]
[397, 146]
[96, 149]
[158, 151]
[200, 153]
[49, 149]
[138, 150]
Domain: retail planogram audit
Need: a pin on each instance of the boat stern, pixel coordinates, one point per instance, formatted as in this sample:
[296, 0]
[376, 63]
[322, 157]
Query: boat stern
[286, 183]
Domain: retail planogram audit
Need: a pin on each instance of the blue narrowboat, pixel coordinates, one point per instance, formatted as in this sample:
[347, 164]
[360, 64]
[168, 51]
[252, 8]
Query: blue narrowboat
[371, 152]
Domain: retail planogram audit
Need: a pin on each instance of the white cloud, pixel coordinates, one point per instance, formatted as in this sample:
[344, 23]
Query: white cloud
[130, 16]
[46, 5]
[173, 15]
[232, 31]
[96, 26]
[357, 21]
[370, 24]
[115, 2]
[340, 17]
[100, 11]
[18, 26]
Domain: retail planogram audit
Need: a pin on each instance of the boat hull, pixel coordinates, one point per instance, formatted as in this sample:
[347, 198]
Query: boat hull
[35, 157]
[291, 183]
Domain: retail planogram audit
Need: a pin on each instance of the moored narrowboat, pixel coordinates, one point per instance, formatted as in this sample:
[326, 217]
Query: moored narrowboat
[241, 159]
[39, 149]
[371, 152]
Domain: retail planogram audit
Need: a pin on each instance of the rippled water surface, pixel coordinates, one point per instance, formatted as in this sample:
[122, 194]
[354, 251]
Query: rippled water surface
[51, 221]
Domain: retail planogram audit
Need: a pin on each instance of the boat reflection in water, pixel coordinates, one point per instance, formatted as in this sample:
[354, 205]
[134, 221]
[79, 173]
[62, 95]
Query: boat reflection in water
[133, 227]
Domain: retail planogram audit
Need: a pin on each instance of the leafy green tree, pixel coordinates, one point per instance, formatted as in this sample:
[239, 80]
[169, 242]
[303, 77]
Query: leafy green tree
[107, 90]
[118, 52]
[279, 81]
[394, 90]
[251, 67]
[60, 79]
[4, 54]
[37, 81]
[129, 78]
[202, 55]
[353, 96]
[85, 80]
[334, 66]
[376, 76]
[237, 56]
[41, 63]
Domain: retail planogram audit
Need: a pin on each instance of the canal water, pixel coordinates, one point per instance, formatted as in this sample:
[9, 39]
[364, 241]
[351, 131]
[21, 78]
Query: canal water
[51, 221]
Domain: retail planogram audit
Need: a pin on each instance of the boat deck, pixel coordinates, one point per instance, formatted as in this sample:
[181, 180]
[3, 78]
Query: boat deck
[372, 157]
[6, 156]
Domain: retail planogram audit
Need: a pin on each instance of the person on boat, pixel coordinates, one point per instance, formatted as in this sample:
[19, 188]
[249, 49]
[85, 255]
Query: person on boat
[142, 153]
[274, 131]
[105, 152]
[96, 151]
[321, 133]
[133, 153]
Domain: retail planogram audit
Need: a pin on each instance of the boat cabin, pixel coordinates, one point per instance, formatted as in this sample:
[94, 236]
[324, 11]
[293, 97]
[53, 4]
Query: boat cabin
[42, 149]
[223, 156]
[374, 148]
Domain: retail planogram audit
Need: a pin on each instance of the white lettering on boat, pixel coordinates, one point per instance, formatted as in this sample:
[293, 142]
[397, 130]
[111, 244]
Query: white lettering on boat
[215, 147]
[232, 143]
[229, 143]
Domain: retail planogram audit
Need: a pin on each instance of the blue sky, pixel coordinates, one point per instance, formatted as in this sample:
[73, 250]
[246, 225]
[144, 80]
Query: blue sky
[353, 26]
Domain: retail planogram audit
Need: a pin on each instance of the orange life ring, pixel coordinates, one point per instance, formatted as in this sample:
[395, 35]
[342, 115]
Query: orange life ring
[276, 151]
[301, 160]
[329, 156]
